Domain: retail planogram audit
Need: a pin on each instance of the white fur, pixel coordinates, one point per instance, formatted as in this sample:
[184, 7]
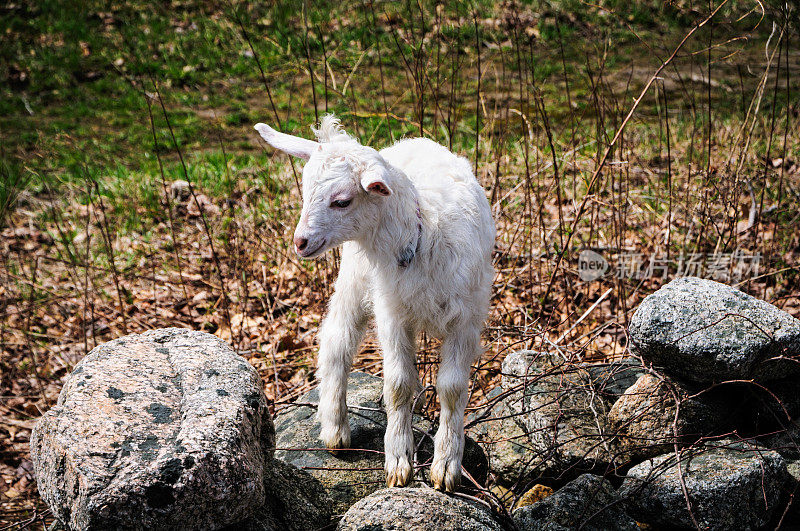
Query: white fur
[444, 289]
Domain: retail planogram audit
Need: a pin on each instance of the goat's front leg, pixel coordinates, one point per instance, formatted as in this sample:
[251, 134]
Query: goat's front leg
[400, 382]
[459, 349]
[340, 335]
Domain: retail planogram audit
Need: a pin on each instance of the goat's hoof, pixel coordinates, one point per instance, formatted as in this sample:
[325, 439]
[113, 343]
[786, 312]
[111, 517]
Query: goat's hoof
[336, 448]
[445, 477]
[336, 439]
[399, 474]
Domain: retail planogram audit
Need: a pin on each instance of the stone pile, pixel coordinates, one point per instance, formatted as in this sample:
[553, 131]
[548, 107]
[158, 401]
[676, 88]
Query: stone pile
[708, 360]
[170, 430]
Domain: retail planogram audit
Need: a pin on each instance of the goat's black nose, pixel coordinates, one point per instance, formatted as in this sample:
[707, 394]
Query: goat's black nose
[300, 243]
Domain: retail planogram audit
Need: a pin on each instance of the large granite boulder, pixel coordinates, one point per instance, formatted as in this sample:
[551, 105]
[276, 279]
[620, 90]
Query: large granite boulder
[732, 485]
[163, 430]
[588, 502]
[560, 417]
[411, 509]
[703, 332]
[647, 420]
[354, 473]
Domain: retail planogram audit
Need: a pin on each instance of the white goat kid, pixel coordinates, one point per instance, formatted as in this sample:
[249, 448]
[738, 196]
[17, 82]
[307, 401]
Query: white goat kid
[417, 236]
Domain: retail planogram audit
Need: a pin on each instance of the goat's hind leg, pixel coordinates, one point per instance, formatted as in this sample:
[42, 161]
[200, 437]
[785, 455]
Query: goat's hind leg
[459, 350]
[340, 335]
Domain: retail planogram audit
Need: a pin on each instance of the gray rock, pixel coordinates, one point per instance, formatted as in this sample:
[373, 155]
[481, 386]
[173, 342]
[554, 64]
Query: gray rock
[644, 418]
[785, 441]
[354, 473]
[614, 378]
[791, 520]
[522, 363]
[703, 331]
[295, 501]
[163, 430]
[731, 486]
[793, 467]
[505, 440]
[753, 409]
[350, 475]
[412, 509]
[588, 502]
[561, 414]
[767, 407]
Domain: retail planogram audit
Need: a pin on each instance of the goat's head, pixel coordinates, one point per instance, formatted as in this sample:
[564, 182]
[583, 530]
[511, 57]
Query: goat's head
[344, 185]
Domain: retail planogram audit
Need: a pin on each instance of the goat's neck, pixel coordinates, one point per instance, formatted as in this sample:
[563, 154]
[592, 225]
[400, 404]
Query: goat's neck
[395, 239]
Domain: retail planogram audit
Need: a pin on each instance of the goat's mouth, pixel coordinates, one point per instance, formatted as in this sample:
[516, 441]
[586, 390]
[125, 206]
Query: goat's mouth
[306, 253]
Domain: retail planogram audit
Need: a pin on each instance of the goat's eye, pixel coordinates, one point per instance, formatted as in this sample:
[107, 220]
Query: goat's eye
[341, 203]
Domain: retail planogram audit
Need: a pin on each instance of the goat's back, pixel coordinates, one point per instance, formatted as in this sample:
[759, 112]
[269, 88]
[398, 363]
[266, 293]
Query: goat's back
[452, 274]
[449, 192]
[427, 163]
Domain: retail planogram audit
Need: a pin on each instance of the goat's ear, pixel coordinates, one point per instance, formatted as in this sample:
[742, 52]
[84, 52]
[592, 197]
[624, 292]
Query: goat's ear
[373, 182]
[292, 145]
